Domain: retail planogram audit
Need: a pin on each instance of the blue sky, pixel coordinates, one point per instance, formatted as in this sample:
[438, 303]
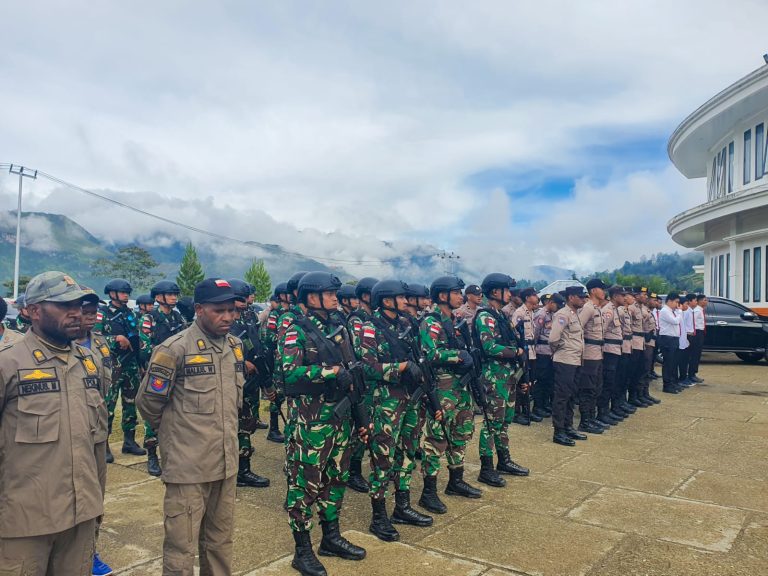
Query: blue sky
[514, 134]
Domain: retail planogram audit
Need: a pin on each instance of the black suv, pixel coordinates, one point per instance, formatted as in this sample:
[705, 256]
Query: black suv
[732, 327]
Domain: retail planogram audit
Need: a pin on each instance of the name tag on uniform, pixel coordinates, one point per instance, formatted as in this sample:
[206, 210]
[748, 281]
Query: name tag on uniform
[199, 365]
[38, 381]
[240, 367]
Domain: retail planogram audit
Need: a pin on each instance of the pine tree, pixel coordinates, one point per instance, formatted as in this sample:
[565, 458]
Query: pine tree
[258, 276]
[190, 271]
[133, 263]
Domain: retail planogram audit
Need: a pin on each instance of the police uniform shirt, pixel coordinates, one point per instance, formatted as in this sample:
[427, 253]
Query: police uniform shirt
[191, 396]
[626, 329]
[526, 315]
[542, 326]
[592, 321]
[613, 337]
[567, 337]
[53, 414]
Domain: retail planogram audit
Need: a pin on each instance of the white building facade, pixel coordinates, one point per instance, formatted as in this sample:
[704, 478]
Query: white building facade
[726, 141]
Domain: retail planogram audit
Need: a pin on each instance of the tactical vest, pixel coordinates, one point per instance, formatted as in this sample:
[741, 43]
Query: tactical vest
[165, 326]
[398, 350]
[505, 329]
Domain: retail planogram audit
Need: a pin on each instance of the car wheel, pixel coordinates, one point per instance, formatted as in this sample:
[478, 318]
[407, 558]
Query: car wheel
[751, 357]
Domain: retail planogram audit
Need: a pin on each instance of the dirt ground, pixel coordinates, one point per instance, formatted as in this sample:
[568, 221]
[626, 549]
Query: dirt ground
[677, 489]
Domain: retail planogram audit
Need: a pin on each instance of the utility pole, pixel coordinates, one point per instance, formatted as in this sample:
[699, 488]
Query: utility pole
[23, 173]
[448, 259]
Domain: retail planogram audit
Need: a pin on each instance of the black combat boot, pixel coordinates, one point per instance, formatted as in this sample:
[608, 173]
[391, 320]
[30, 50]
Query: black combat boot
[541, 412]
[560, 437]
[334, 544]
[404, 514]
[535, 417]
[109, 459]
[429, 499]
[274, 434]
[522, 419]
[356, 480]
[506, 465]
[458, 487]
[488, 475]
[304, 559]
[573, 434]
[605, 417]
[247, 478]
[602, 425]
[130, 446]
[153, 463]
[588, 426]
[647, 395]
[380, 526]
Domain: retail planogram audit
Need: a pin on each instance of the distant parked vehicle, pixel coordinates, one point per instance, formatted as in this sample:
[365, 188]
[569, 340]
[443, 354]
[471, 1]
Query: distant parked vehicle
[732, 327]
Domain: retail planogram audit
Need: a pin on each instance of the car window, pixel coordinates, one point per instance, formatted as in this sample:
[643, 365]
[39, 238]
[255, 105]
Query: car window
[728, 309]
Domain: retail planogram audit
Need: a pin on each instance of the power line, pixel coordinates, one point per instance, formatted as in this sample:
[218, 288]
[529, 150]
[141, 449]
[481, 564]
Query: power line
[250, 243]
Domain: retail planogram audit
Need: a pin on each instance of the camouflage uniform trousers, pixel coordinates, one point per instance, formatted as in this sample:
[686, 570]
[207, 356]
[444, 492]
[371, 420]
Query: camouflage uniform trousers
[318, 468]
[499, 391]
[126, 386]
[410, 439]
[458, 417]
[248, 412]
[389, 406]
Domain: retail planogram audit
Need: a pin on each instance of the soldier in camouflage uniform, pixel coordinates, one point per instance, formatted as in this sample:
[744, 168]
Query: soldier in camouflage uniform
[446, 349]
[348, 301]
[159, 324]
[393, 377]
[146, 304]
[21, 323]
[119, 327]
[244, 329]
[494, 336]
[355, 320]
[268, 336]
[316, 380]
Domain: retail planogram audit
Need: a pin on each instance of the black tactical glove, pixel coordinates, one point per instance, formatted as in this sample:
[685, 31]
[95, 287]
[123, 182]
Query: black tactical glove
[465, 358]
[411, 376]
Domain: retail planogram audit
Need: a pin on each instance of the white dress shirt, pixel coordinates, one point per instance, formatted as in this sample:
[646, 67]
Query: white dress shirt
[669, 322]
[683, 327]
[698, 319]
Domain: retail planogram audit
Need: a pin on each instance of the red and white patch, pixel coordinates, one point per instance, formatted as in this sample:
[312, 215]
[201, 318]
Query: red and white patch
[369, 333]
[222, 283]
[435, 329]
[491, 323]
[99, 316]
[291, 337]
[286, 322]
[271, 323]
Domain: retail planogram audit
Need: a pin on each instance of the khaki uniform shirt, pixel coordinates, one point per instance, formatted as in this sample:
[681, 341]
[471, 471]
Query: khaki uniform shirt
[191, 396]
[626, 329]
[464, 311]
[567, 337]
[522, 313]
[613, 338]
[638, 335]
[10, 337]
[542, 326]
[592, 322]
[649, 325]
[52, 416]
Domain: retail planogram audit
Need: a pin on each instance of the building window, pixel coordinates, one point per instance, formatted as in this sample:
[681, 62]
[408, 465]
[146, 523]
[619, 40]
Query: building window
[747, 156]
[728, 275]
[757, 271]
[745, 277]
[759, 151]
[730, 167]
[720, 272]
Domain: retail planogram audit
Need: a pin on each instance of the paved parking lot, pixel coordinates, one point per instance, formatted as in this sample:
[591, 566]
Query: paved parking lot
[678, 489]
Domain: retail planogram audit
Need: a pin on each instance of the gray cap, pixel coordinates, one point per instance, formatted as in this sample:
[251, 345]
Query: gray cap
[53, 287]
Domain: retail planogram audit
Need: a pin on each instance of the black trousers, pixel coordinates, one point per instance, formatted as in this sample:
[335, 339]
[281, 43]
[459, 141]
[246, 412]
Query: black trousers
[697, 344]
[545, 381]
[566, 388]
[683, 359]
[636, 365]
[669, 346]
[590, 386]
[610, 370]
[622, 378]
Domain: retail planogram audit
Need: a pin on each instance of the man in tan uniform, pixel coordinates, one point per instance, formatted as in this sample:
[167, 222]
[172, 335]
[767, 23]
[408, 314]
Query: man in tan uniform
[53, 426]
[474, 297]
[634, 377]
[567, 342]
[591, 375]
[191, 395]
[524, 314]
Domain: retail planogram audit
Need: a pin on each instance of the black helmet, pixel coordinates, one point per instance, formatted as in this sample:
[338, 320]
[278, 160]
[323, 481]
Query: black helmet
[164, 287]
[496, 280]
[241, 288]
[281, 288]
[118, 285]
[417, 290]
[365, 286]
[145, 299]
[346, 292]
[293, 282]
[444, 284]
[387, 289]
[186, 306]
[314, 282]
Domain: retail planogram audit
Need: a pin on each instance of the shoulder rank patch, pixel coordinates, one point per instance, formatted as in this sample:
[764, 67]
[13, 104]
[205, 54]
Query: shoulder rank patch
[39, 356]
[232, 341]
[201, 344]
[104, 349]
[238, 353]
[89, 365]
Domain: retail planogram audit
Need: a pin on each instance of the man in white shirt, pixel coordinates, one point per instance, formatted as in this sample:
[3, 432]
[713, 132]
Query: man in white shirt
[697, 342]
[686, 335]
[669, 341]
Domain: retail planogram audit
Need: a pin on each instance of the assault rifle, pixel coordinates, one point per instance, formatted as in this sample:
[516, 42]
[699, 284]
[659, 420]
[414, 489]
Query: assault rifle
[526, 367]
[472, 379]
